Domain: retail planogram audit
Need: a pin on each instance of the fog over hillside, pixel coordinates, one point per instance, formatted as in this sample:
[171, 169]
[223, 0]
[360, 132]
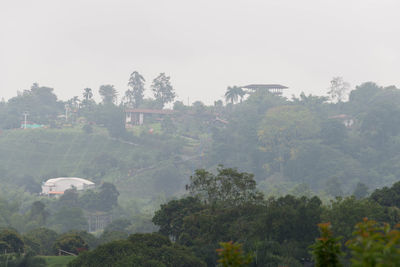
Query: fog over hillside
[203, 45]
[199, 133]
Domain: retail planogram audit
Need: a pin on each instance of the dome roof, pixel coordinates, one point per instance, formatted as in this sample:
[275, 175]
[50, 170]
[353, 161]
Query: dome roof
[68, 179]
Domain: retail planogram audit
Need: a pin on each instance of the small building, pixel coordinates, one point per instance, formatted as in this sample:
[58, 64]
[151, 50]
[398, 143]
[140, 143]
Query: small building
[276, 89]
[136, 116]
[57, 186]
[345, 119]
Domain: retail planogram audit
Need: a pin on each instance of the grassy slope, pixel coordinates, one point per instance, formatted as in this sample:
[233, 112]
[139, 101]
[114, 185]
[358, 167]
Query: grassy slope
[45, 153]
[41, 152]
[57, 261]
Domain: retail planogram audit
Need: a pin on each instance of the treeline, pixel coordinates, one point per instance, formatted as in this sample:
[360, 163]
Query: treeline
[226, 206]
[330, 146]
[40, 104]
[69, 212]
[220, 207]
[314, 143]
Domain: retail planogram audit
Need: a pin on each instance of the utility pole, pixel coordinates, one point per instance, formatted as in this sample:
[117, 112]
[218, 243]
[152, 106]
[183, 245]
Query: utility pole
[26, 113]
[66, 112]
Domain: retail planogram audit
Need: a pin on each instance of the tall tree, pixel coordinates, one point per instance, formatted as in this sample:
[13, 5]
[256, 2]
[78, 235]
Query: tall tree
[74, 102]
[108, 93]
[108, 195]
[39, 101]
[87, 94]
[338, 89]
[135, 94]
[233, 93]
[163, 90]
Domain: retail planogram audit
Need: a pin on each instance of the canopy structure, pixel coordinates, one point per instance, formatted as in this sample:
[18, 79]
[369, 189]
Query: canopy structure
[273, 88]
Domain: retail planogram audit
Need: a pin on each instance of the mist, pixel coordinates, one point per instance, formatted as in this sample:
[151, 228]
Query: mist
[204, 46]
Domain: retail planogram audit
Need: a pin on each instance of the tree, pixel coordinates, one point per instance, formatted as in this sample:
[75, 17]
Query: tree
[108, 196]
[69, 218]
[45, 238]
[333, 132]
[228, 187]
[71, 243]
[338, 89]
[375, 244]
[119, 225]
[139, 250]
[22, 260]
[13, 239]
[163, 90]
[109, 236]
[113, 118]
[135, 95]
[108, 93]
[364, 93]
[387, 196]
[87, 99]
[290, 218]
[381, 122]
[233, 93]
[282, 126]
[231, 255]
[74, 102]
[39, 101]
[345, 213]
[69, 198]
[38, 213]
[170, 216]
[326, 249]
[87, 94]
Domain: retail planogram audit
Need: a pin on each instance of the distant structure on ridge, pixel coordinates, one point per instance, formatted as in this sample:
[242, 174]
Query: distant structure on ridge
[276, 89]
[136, 116]
[57, 186]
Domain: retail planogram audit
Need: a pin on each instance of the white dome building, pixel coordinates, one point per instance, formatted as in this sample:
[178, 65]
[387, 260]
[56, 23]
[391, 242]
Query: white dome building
[57, 186]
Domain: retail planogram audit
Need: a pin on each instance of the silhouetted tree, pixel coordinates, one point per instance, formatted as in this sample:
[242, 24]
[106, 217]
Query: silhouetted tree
[108, 94]
[163, 90]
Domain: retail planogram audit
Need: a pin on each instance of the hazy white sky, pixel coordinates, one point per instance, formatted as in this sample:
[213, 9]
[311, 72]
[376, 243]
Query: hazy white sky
[204, 45]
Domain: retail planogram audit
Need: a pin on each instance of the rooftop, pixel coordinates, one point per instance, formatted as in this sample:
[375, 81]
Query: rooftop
[55, 180]
[265, 86]
[150, 111]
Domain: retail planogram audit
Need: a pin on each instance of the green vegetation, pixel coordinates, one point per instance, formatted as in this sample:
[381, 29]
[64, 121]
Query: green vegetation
[296, 162]
[57, 261]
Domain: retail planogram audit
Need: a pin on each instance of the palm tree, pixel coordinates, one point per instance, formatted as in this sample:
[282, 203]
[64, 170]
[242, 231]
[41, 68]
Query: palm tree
[233, 93]
[75, 102]
[87, 94]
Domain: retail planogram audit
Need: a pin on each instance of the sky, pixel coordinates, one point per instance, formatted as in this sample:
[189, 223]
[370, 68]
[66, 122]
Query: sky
[204, 45]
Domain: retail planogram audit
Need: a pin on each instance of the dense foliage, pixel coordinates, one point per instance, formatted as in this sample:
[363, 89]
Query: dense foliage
[302, 161]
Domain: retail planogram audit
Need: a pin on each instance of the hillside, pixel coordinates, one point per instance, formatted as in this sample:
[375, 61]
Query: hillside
[145, 169]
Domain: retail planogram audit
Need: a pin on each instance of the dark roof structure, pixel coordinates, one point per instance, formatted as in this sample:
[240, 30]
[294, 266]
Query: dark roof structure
[265, 86]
